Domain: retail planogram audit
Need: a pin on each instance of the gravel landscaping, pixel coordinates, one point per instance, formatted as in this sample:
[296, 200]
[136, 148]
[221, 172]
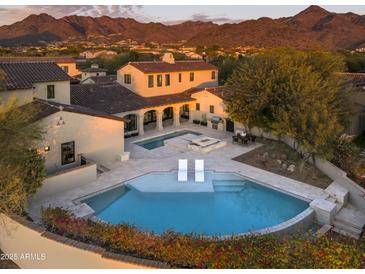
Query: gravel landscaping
[281, 159]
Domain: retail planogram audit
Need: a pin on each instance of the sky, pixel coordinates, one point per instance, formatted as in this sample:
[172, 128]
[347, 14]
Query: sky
[165, 14]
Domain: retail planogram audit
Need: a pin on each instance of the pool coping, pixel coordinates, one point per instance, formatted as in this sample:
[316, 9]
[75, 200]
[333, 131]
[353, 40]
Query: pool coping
[162, 134]
[299, 223]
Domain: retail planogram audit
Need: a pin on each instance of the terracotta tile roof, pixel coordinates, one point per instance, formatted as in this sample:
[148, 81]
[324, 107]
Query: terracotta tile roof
[217, 91]
[45, 108]
[102, 79]
[357, 79]
[64, 59]
[22, 75]
[159, 66]
[94, 70]
[114, 98]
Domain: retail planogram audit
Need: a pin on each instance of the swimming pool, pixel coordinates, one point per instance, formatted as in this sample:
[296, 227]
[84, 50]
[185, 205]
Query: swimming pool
[156, 142]
[224, 204]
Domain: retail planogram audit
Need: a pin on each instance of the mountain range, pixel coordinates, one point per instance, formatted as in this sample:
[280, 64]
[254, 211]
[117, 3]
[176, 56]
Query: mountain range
[314, 27]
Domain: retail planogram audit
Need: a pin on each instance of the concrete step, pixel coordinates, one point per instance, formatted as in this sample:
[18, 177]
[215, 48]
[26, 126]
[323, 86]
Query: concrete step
[351, 217]
[346, 227]
[346, 233]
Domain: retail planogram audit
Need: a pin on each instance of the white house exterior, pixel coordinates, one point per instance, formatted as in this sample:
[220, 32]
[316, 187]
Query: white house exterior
[73, 132]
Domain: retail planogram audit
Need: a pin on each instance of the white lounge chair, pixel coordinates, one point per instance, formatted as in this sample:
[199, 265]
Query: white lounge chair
[183, 170]
[199, 171]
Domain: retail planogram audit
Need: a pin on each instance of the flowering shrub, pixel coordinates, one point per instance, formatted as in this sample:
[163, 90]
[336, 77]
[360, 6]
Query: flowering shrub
[193, 251]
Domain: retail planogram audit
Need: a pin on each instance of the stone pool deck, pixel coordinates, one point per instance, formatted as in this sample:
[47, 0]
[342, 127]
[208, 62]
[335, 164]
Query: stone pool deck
[165, 158]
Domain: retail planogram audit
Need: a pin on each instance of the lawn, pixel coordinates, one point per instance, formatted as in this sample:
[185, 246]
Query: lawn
[277, 157]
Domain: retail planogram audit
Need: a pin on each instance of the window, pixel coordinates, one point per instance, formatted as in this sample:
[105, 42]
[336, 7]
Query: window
[180, 77]
[191, 76]
[150, 81]
[132, 124]
[167, 79]
[127, 79]
[159, 80]
[197, 106]
[65, 69]
[68, 153]
[213, 75]
[50, 92]
[211, 109]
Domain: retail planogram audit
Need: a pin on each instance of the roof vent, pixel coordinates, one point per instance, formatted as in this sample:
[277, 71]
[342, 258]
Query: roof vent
[168, 58]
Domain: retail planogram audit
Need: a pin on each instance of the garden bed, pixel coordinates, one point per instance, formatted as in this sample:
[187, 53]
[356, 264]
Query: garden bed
[192, 251]
[281, 159]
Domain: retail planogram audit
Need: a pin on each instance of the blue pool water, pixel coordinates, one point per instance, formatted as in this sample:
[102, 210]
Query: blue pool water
[159, 141]
[225, 204]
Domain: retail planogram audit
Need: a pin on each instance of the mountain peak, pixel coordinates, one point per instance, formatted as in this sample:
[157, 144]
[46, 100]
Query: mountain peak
[314, 10]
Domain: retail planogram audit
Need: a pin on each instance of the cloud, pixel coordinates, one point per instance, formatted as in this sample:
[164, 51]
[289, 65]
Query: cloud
[205, 18]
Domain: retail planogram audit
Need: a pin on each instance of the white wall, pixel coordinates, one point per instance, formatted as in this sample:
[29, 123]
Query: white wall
[62, 91]
[98, 139]
[17, 238]
[140, 81]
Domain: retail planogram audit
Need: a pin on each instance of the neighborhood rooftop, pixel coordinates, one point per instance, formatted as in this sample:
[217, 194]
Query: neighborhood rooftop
[114, 98]
[64, 59]
[160, 66]
[22, 75]
[45, 108]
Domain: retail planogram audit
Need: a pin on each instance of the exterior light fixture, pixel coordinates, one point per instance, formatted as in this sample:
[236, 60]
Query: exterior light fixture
[47, 148]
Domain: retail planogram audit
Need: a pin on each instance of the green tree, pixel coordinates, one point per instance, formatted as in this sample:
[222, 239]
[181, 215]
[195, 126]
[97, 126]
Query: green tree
[226, 65]
[22, 169]
[292, 93]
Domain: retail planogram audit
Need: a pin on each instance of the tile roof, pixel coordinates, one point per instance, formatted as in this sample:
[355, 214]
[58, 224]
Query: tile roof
[159, 66]
[64, 59]
[45, 108]
[94, 70]
[114, 98]
[102, 79]
[22, 75]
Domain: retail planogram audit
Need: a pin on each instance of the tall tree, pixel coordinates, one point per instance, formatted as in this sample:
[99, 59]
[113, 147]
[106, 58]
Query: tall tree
[293, 93]
[22, 169]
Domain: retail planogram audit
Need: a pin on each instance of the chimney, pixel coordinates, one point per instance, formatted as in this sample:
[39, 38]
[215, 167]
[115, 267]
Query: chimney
[168, 58]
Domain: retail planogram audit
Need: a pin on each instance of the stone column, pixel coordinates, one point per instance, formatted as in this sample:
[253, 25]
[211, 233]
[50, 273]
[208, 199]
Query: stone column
[176, 116]
[191, 118]
[159, 124]
[140, 123]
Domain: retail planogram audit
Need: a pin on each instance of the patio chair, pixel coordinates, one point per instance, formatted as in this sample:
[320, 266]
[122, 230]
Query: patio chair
[183, 170]
[199, 171]
[234, 139]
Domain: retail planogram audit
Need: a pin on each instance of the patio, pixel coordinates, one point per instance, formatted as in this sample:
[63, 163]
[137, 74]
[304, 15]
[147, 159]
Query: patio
[164, 158]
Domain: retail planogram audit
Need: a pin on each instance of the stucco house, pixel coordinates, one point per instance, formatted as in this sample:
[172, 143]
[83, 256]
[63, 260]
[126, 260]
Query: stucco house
[93, 71]
[74, 134]
[158, 94]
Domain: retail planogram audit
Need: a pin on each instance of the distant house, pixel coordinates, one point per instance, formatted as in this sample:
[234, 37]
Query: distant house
[68, 64]
[100, 79]
[94, 70]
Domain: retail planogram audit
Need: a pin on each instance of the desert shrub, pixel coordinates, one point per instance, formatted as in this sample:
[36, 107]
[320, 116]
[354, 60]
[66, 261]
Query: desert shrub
[193, 251]
[347, 157]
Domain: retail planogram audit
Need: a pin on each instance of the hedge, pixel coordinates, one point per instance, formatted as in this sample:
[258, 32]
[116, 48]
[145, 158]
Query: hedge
[193, 251]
